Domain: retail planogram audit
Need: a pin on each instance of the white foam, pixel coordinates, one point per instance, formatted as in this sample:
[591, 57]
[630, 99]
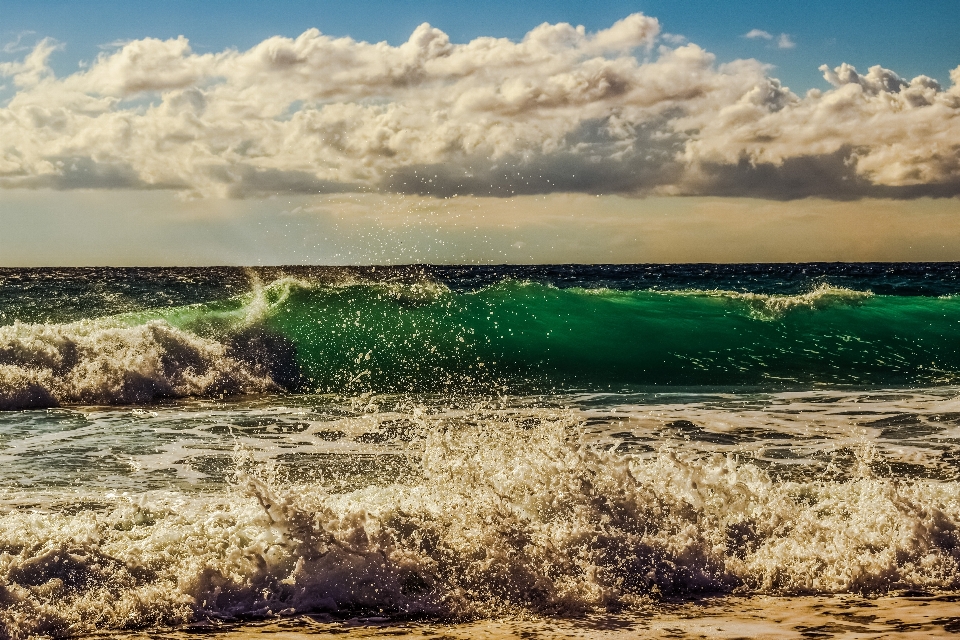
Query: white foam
[501, 518]
[763, 306]
[106, 362]
[772, 306]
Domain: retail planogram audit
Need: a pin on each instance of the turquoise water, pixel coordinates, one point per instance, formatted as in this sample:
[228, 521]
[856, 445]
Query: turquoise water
[388, 338]
[300, 335]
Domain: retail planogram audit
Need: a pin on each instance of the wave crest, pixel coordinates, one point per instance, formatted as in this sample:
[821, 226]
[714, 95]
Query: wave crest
[772, 306]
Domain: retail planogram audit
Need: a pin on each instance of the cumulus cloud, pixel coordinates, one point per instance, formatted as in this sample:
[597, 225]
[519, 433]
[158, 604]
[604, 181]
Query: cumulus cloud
[33, 68]
[623, 110]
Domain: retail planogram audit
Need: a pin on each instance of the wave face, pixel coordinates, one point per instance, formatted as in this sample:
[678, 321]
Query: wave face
[531, 335]
[347, 332]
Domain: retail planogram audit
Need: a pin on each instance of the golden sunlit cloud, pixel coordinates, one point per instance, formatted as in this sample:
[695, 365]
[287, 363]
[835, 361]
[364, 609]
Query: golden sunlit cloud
[619, 111]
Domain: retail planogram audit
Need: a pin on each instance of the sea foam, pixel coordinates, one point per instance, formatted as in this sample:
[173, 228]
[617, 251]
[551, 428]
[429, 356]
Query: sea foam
[499, 517]
[104, 362]
[771, 306]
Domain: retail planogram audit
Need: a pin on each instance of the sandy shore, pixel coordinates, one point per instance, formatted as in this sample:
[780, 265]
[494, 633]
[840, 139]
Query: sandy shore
[727, 618]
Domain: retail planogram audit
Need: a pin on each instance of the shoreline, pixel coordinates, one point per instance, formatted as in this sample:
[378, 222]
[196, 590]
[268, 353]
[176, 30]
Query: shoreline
[729, 617]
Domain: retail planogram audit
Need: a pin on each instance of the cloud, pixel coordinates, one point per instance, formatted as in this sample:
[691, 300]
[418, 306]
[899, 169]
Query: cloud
[33, 68]
[624, 110]
[15, 46]
[784, 41]
[754, 34]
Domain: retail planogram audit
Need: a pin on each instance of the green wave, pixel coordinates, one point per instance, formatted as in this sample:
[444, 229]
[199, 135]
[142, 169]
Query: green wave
[527, 336]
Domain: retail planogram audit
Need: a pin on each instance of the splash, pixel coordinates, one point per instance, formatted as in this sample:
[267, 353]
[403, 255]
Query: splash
[500, 516]
[108, 363]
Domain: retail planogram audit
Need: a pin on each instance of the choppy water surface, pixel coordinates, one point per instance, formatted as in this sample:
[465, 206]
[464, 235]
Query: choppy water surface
[446, 444]
[337, 441]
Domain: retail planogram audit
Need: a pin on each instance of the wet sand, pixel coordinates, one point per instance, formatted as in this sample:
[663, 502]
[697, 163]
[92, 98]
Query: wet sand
[730, 618]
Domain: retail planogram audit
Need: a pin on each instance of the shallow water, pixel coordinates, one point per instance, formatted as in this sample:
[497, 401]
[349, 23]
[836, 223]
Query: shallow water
[193, 445]
[179, 454]
[410, 506]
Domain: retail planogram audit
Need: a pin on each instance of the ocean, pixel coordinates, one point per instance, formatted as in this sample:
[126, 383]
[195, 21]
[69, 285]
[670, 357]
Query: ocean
[465, 451]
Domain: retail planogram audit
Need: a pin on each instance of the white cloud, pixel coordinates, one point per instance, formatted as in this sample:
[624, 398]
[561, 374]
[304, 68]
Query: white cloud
[15, 46]
[33, 68]
[755, 34]
[784, 41]
[560, 110]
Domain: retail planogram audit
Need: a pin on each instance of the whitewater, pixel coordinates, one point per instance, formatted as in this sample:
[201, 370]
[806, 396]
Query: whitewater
[598, 450]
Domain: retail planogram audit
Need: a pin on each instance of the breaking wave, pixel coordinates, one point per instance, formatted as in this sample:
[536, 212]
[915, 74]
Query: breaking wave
[495, 517]
[356, 336]
[773, 306]
[92, 363]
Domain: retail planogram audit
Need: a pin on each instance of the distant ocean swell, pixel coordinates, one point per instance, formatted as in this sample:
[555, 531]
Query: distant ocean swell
[298, 335]
[495, 518]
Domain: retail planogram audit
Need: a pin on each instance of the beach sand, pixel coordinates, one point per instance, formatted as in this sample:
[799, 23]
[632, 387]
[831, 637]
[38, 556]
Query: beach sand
[780, 618]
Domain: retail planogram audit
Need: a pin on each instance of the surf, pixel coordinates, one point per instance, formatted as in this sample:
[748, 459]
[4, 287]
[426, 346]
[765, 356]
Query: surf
[354, 336]
[499, 513]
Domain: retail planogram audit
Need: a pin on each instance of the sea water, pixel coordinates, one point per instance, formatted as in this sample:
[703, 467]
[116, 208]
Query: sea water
[197, 448]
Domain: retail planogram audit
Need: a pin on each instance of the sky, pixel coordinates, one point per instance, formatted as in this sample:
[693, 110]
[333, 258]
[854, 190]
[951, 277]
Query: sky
[463, 132]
